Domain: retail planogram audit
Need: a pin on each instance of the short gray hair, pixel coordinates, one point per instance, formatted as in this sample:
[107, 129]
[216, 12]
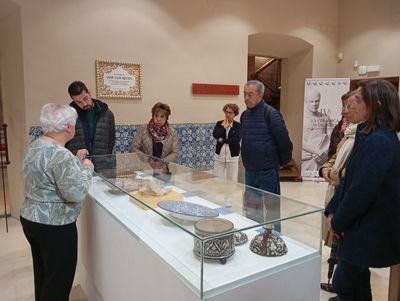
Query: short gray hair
[260, 86]
[54, 118]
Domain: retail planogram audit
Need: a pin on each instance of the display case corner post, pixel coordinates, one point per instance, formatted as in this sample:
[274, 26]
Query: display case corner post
[201, 269]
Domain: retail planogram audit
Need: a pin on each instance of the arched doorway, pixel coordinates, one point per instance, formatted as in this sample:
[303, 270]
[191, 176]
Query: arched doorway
[296, 56]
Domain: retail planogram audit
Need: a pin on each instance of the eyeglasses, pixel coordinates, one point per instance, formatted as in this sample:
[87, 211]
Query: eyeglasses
[229, 112]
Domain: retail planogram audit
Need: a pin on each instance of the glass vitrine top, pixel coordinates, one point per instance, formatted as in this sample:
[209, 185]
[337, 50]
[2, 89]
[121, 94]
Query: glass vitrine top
[183, 196]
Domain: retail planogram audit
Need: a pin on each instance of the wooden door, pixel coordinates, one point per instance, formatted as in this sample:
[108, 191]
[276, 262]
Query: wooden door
[355, 82]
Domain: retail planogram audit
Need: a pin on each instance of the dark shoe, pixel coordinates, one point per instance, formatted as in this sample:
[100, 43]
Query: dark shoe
[327, 287]
[332, 299]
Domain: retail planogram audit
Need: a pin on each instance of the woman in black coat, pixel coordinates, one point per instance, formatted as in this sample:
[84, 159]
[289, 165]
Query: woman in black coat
[227, 134]
[365, 209]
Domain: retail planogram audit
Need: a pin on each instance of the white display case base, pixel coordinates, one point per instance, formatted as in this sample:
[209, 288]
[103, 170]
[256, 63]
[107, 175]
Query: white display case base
[116, 265]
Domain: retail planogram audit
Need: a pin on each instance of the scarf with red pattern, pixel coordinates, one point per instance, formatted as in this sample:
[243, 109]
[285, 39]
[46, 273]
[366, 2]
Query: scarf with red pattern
[158, 133]
[345, 124]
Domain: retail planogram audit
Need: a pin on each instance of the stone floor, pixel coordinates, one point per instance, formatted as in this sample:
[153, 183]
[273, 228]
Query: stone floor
[16, 275]
[313, 193]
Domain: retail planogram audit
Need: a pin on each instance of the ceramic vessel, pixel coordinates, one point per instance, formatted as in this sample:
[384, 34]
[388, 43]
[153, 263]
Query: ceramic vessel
[239, 238]
[187, 211]
[217, 248]
[268, 244]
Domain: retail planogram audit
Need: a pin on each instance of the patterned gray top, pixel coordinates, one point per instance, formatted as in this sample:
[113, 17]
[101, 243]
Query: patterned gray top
[56, 184]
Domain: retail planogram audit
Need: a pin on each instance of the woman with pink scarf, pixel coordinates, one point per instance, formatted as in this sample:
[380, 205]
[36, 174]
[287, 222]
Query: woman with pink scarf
[158, 138]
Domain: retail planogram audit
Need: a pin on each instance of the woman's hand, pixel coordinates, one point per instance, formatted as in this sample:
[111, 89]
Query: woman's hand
[82, 154]
[329, 224]
[156, 164]
[87, 162]
[328, 221]
[325, 174]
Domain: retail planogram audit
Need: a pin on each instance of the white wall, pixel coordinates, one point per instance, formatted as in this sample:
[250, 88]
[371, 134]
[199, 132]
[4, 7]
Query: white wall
[370, 34]
[14, 108]
[176, 43]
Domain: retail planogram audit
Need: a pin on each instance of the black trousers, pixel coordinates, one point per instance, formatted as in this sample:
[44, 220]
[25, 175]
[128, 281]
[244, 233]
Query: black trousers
[54, 253]
[352, 282]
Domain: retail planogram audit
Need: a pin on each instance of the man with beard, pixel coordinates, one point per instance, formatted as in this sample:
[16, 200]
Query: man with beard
[95, 127]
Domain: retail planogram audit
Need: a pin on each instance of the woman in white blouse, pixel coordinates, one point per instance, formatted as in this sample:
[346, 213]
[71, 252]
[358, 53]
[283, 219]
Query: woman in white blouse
[227, 135]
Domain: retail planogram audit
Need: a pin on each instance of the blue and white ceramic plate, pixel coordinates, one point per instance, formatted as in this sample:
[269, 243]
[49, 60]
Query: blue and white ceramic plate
[187, 211]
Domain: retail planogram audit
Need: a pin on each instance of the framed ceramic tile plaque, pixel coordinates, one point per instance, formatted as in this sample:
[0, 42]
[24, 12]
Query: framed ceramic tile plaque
[118, 80]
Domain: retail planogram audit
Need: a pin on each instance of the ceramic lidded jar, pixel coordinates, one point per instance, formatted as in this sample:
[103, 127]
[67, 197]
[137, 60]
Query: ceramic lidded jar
[268, 244]
[216, 248]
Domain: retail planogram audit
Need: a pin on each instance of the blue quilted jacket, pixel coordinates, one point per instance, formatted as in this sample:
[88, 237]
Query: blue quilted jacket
[265, 145]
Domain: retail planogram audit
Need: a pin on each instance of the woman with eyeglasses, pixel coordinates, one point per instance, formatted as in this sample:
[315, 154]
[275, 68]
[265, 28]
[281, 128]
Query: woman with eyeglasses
[227, 135]
[364, 211]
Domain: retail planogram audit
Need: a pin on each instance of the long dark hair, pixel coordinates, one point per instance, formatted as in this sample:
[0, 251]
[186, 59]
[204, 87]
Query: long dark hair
[382, 101]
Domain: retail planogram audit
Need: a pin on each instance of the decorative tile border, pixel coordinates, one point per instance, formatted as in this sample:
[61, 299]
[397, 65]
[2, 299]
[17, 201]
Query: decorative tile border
[197, 145]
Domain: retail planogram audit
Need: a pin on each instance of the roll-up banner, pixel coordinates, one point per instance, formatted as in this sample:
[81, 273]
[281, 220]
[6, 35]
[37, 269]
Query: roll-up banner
[322, 111]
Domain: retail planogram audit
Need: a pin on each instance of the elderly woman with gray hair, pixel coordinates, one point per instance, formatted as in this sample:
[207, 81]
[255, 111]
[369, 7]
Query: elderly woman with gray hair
[56, 183]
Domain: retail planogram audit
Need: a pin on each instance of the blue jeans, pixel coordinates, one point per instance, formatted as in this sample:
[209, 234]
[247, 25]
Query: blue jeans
[255, 202]
[352, 282]
[264, 179]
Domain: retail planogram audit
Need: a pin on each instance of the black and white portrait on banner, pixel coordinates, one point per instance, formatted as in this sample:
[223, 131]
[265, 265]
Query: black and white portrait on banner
[322, 111]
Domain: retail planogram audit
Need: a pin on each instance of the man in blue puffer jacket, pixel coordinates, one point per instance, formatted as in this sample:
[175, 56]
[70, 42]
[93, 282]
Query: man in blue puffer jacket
[265, 147]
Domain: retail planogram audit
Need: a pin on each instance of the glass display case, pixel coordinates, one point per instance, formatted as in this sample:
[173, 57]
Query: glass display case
[215, 235]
